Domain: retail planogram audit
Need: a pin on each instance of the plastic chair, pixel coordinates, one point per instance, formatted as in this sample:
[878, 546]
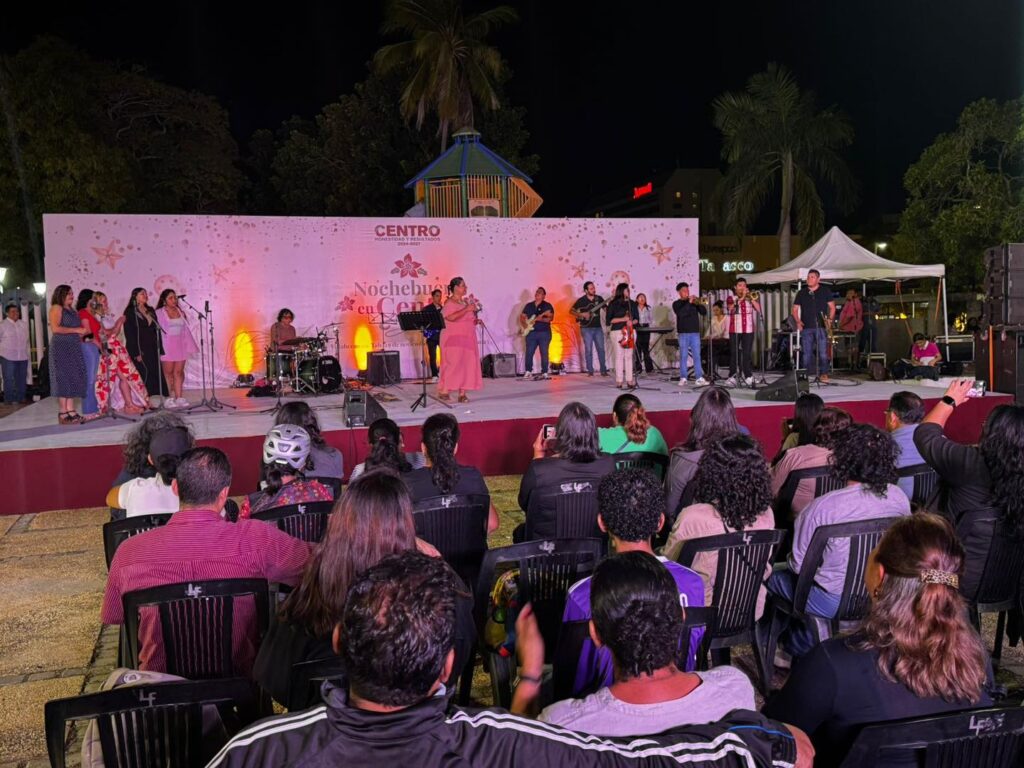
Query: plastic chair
[861, 537]
[160, 724]
[116, 532]
[196, 620]
[457, 525]
[743, 561]
[575, 503]
[306, 521]
[926, 482]
[306, 679]
[547, 568]
[998, 589]
[574, 634]
[656, 462]
[823, 483]
[980, 738]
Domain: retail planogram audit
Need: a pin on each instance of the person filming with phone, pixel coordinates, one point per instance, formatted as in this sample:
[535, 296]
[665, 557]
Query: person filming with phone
[566, 452]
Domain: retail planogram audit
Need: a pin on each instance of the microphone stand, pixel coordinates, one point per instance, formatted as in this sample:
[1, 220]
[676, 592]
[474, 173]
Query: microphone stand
[205, 402]
[214, 402]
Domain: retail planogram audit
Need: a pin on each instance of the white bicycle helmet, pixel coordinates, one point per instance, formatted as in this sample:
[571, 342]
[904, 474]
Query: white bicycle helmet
[287, 444]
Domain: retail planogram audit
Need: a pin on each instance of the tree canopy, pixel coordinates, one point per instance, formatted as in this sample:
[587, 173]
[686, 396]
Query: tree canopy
[966, 192]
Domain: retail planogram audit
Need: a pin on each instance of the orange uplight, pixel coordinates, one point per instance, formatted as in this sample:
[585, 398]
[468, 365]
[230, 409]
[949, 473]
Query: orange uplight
[363, 343]
[555, 350]
[243, 352]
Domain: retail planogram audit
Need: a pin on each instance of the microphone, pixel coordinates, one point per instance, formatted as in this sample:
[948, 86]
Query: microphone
[182, 295]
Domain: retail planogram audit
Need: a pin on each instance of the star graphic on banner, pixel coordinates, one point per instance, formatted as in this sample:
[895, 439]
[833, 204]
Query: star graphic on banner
[219, 274]
[108, 255]
[345, 305]
[578, 269]
[661, 252]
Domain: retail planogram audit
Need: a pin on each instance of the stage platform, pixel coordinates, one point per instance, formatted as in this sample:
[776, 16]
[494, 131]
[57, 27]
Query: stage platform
[46, 466]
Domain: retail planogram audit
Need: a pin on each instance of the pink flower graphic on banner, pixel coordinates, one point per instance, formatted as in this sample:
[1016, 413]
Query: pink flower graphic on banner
[220, 274]
[408, 268]
[578, 270]
[661, 252]
[347, 304]
[108, 254]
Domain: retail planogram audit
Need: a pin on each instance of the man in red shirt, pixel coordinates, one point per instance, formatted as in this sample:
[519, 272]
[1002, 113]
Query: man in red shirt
[197, 544]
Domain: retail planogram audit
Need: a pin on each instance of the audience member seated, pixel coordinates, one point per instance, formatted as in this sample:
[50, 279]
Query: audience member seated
[443, 475]
[395, 639]
[198, 544]
[904, 413]
[864, 459]
[285, 460]
[573, 455]
[638, 618]
[324, 460]
[373, 519]
[799, 430]
[632, 508]
[136, 448]
[631, 431]
[154, 495]
[713, 418]
[827, 427]
[915, 655]
[981, 482]
[387, 450]
[924, 361]
[733, 493]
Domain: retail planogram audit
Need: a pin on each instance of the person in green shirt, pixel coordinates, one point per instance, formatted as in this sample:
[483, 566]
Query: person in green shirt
[632, 430]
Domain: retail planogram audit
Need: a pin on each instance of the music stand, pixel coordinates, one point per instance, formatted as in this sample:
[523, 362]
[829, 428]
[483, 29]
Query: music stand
[422, 321]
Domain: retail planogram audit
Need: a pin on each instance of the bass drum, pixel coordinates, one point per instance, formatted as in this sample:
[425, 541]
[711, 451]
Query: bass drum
[321, 374]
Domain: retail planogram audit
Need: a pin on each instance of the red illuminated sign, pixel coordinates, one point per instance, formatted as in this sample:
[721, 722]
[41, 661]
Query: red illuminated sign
[646, 189]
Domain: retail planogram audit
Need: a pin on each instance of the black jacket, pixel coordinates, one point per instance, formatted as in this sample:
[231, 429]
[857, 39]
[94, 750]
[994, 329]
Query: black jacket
[547, 474]
[688, 316]
[431, 734]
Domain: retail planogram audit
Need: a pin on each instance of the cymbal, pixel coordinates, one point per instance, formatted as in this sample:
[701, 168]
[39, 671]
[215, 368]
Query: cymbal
[299, 340]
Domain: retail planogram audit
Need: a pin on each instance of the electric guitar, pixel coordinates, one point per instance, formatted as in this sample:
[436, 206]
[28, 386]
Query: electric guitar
[525, 330]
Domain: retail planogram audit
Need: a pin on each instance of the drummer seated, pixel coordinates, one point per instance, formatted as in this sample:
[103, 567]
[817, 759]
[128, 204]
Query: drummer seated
[286, 452]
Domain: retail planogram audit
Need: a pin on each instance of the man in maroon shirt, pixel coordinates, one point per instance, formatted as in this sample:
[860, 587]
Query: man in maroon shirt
[197, 544]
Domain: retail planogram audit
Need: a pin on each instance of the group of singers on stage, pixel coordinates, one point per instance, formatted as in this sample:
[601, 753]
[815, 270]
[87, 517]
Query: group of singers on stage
[731, 331]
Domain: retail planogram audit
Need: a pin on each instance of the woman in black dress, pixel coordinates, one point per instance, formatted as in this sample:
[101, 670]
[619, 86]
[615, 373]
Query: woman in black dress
[142, 337]
[67, 364]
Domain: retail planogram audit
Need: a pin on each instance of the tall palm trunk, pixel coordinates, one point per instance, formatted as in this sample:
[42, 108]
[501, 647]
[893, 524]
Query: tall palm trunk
[19, 166]
[785, 217]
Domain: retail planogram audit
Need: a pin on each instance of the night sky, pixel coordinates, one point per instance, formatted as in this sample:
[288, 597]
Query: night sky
[613, 96]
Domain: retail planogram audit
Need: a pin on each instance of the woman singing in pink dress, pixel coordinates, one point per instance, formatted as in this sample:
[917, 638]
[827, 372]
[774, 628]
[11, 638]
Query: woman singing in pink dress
[179, 346]
[460, 359]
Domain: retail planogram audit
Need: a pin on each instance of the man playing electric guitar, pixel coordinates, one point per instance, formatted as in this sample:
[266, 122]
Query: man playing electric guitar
[535, 323]
[587, 311]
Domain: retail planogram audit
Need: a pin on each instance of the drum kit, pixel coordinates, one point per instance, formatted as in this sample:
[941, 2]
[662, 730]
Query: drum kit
[303, 365]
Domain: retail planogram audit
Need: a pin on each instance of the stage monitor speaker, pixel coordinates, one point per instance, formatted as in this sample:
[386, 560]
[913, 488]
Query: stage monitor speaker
[362, 409]
[383, 368]
[499, 366]
[786, 389]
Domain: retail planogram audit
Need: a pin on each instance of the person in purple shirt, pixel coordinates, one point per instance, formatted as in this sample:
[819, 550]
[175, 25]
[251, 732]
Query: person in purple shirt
[904, 413]
[632, 510]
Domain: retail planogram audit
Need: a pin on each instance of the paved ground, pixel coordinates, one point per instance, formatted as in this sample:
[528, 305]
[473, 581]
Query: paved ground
[52, 644]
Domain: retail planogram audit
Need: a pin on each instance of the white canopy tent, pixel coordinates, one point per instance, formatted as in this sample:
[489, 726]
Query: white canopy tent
[837, 257]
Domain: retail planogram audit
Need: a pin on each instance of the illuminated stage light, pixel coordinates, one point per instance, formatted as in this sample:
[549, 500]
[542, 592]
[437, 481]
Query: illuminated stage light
[363, 343]
[243, 352]
[556, 349]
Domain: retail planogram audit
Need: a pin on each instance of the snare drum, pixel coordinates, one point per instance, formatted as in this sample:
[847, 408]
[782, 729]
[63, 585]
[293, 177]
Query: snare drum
[279, 364]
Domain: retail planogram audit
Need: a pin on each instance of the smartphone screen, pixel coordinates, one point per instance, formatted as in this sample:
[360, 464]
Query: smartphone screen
[978, 389]
[549, 431]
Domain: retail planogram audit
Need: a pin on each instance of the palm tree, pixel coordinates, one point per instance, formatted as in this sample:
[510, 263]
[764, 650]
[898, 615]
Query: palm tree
[772, 134]
[451, 62]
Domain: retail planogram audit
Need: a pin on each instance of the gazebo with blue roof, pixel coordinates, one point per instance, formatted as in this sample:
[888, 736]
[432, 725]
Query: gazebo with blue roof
[468, 179]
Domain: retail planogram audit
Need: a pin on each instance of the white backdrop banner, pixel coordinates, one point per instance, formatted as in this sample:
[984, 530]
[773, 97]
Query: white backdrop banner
[351, 276]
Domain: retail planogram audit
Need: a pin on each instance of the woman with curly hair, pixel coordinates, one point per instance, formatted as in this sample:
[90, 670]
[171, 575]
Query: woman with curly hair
[828, 426]
[712, 419]
[733, 493]
[864, 460]
[631, 430]
[443, 475]
[916, 654]
[324, 460]
[637, 616]
[983, 483]
[136, 444]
